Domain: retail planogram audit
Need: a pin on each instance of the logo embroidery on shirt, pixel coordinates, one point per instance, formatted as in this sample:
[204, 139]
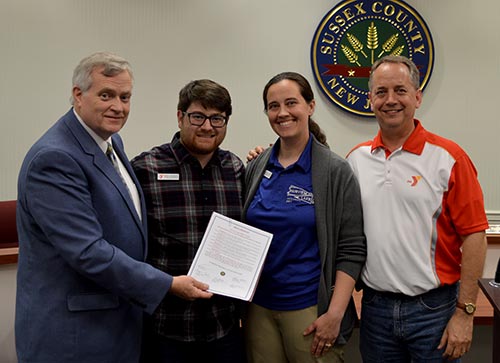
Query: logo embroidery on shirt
[414, 180]
[297, 194]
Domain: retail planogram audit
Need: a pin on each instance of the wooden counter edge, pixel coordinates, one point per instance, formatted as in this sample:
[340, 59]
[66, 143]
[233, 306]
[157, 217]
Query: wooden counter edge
[8, 255]
[493, 238]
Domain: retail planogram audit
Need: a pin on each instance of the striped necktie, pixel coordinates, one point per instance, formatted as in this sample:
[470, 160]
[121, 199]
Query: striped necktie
[111, 156]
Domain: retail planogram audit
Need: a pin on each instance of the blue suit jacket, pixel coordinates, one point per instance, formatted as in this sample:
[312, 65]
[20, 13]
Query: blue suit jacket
[82, 284]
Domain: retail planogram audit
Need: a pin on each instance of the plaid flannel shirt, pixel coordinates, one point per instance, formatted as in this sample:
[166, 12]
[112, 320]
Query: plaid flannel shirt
[180, 198]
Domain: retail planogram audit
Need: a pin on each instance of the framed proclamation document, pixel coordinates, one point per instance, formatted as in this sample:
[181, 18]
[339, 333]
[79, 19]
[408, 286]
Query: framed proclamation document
[230, 257]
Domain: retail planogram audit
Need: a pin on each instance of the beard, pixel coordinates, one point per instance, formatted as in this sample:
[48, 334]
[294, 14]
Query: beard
[200, 145]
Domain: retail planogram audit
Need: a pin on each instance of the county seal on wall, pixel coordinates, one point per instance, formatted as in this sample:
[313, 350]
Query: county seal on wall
[353, 35]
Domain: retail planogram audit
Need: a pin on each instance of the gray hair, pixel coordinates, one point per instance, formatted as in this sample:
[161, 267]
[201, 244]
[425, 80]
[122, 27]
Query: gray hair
[112, 65]
[412, 68]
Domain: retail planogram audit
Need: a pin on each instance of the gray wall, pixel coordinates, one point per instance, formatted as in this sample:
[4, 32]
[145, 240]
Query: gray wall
[241, 44]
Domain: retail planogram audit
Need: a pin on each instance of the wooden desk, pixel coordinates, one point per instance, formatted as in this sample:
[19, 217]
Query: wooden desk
[493, 295]
[482, 316]
[8, 255]
[493, 238]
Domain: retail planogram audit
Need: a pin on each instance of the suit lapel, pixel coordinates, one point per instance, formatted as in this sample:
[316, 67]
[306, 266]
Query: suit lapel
[123, 157]
[102, 163]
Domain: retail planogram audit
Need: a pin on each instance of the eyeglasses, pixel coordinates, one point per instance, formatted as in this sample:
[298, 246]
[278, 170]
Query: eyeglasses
[198, 119]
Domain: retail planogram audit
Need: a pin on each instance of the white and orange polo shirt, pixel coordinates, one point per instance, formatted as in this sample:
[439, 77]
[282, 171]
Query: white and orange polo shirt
[417, 203]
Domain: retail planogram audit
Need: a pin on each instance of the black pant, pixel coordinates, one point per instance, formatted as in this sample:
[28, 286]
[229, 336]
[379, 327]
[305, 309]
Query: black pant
[228, 349]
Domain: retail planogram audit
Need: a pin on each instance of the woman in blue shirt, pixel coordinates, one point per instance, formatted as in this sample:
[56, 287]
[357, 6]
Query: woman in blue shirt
[308, 197]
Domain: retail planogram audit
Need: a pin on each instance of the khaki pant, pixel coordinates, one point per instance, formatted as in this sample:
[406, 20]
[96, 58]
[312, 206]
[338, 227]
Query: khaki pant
[276, 336]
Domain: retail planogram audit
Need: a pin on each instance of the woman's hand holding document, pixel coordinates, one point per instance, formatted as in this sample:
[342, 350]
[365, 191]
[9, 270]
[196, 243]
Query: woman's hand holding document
[230, 257]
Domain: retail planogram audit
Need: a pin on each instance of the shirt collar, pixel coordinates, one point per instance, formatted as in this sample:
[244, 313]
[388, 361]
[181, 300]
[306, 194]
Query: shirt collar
[414, 144]
[103, 144]
[304, 161]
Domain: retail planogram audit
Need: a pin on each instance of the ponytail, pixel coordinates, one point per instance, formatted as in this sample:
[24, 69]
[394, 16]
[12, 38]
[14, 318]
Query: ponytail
[317, 132]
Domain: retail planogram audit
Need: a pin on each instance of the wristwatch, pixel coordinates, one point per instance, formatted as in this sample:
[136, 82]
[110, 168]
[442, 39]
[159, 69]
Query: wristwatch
[469, 308]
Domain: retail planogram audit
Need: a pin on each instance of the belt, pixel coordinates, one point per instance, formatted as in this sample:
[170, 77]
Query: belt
[400, 296]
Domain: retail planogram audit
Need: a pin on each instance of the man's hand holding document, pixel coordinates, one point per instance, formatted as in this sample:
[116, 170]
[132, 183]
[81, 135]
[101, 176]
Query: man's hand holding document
[230, 257]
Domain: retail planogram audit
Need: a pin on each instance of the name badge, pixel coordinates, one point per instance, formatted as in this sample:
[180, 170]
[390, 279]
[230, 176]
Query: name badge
[166, 176]
[268, 174]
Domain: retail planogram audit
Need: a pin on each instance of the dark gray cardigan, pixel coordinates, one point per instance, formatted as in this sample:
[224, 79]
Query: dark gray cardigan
[339, 222]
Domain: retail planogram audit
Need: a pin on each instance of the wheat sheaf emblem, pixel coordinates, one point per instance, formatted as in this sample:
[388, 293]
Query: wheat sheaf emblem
[372, 44]
[354, 35]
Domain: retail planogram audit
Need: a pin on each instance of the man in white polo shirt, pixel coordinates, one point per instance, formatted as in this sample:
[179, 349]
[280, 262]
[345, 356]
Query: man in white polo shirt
[424, 222]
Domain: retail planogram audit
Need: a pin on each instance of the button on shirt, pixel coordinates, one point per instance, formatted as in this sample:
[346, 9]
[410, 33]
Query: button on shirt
[180, 198]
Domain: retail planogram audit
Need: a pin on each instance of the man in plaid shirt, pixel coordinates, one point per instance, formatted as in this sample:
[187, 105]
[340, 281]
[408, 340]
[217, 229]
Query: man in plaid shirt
[184, 181]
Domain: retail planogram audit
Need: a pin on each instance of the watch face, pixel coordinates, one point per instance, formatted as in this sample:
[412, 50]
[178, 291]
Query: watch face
[469, 308]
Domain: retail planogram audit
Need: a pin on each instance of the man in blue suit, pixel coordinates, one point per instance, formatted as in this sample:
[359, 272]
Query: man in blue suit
[82, 283]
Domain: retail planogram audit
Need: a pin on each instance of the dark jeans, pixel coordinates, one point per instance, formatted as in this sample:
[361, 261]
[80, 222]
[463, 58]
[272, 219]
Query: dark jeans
[228, 349]
[399, 328]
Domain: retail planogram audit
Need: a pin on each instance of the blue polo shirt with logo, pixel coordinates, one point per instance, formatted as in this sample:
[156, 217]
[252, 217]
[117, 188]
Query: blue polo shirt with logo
[284, 206]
